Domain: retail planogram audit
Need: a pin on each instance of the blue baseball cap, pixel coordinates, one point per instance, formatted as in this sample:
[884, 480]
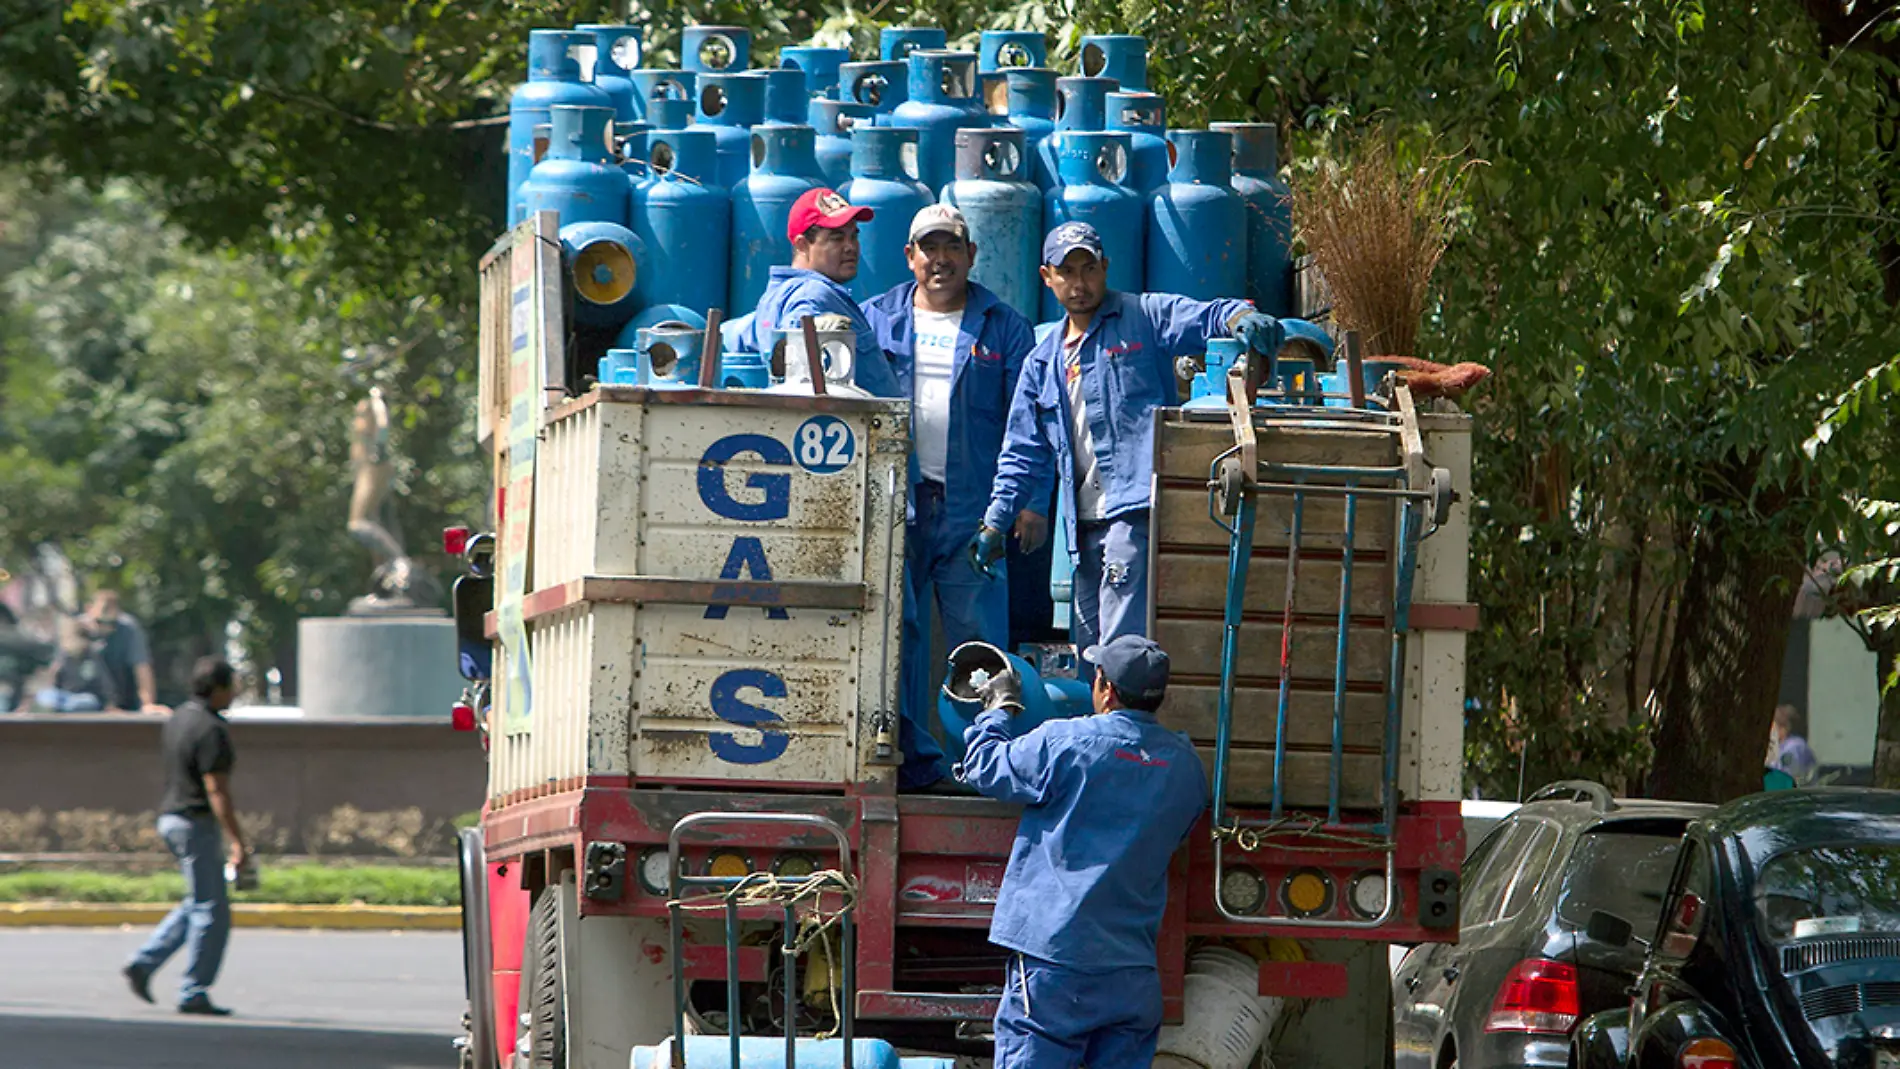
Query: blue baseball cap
[1067, 238]
[1134, 666]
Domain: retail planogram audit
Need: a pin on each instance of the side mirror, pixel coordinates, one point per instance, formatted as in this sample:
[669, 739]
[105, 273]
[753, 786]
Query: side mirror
[1608, 929]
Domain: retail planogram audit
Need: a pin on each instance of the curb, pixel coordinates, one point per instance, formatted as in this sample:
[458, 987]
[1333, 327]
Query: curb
[243, 915]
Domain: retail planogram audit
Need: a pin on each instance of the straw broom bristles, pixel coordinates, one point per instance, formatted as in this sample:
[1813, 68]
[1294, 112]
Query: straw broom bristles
[1377, 227]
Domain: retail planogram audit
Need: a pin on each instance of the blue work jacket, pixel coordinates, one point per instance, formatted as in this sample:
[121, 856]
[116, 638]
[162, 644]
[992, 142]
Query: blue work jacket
[1107, 800]
[1127, 367]
[792, 294]
[992, 342]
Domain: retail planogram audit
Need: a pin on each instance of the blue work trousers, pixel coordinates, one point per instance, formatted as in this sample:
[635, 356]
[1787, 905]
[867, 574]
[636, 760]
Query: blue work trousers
[974, 608]
[203, 919]
[1111, 582]
[1051, 1017]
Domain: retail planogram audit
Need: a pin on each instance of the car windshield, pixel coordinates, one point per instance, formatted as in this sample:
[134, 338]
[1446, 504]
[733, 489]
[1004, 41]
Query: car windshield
[1623, 874]
[1830, 890]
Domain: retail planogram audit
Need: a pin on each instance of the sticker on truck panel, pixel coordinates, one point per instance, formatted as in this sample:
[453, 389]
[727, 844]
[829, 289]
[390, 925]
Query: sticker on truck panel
[824, 445]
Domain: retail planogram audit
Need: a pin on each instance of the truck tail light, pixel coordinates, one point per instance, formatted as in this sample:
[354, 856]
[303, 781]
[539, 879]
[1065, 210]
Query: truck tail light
[454, 540]
[462, 716]
[1538, 996]
[1706, 1054]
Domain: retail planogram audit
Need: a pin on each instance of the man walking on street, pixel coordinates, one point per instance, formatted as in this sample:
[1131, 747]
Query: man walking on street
[1084, 412]
[957, 351]
[196, 817]
[1107, 799]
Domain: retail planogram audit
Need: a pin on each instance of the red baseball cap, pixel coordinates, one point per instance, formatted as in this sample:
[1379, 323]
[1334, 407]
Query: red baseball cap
[822, 207]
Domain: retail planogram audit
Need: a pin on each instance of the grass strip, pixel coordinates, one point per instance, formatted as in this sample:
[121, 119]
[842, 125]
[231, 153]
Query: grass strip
[313, 885]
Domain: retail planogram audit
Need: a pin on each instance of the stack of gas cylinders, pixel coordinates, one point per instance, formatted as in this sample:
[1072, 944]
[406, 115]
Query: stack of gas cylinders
[673, 187]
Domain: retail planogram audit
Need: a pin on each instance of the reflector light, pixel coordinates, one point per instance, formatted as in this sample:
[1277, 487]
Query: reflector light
[1538, 996]
[794, 866]
[728, 865]
[653, 874]
[1307, 893]
[1367, 894]
[1706, 1054]
[454, 540]
[1242, 890]
[462, 716]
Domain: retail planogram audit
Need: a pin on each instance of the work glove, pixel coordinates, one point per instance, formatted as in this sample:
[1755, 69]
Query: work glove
[985, 550]
[1260, 332]
[831, 321]
[1004, 691]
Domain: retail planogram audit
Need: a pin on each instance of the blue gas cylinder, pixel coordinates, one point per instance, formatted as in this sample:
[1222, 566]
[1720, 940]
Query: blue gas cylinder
[650, 86]
[606, 264]
[1209, 388]
[619, 367]
[618, 54]
[669, 355]
[882, 181]
[744, 371]
[715, 49]
[554, 77]
[1092, 167]
[883, 84]
[731, 105]
[898, 42]
[942, 101]
[1005, 50]
[819, 64]
[669, 114]
[630, 146]
[787, 100]
[1297, 379]
[1269, 215]
[1197, 224]
[1121, 56]
[768, 1052]
[581, 176]
[1031, 108]
[1004, 210]
[834, 120]
[1144, 117]
[783, 168]
[1043, 700]
[684, 217]
[1081, 104]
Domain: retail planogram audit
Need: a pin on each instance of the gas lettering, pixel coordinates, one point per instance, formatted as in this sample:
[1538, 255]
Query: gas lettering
[774, 501]
[728, 706]
[746, 560]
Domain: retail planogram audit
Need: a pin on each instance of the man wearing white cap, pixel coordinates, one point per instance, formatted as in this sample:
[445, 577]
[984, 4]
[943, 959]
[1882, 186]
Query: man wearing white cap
[957, 351]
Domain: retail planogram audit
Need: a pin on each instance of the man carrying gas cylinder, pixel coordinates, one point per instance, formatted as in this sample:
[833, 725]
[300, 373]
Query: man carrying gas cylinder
[1107, 799]
[823, 230]
[957, 351]
[1084, 412]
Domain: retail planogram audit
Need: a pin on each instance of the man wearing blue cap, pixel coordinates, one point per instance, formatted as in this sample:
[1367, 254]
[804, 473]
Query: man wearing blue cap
[1084, 411]
[1107, 799]
[957, 351]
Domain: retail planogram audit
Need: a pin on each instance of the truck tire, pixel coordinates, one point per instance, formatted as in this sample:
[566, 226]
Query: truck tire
[543, 987]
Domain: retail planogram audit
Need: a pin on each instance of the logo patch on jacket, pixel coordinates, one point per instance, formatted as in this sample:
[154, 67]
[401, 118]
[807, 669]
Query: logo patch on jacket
[1142, 758]
[981, 353]
[1124, 347]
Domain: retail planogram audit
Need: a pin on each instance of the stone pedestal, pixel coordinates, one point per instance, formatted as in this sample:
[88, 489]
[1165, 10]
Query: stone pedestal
[367, 667]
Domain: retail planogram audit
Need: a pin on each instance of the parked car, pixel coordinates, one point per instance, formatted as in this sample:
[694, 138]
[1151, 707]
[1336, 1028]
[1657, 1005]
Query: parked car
[1779, 944]
[1525, 970]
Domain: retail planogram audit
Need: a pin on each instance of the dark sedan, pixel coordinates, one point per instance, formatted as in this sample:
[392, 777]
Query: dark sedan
[1779, 945]
[1525, 968]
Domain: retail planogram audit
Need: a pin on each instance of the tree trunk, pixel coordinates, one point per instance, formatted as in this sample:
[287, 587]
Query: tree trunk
[1723, 676]
[1886, 645]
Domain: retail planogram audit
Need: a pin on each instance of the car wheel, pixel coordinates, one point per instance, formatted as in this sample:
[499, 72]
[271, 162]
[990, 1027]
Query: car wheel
[543, 987]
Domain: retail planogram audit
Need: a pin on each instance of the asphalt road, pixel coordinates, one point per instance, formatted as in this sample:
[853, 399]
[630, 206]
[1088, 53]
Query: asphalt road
[303, 1000]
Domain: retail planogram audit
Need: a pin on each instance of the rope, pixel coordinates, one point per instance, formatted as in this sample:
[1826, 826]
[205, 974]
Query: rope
[1300, 833]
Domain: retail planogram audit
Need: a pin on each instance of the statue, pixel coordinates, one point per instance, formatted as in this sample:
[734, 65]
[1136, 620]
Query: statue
[400, 584]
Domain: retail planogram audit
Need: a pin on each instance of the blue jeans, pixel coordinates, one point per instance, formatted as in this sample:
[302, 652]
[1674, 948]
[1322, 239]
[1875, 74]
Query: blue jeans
[974, 608]
[1111, 582]
[203, 919]
[1051, 1017]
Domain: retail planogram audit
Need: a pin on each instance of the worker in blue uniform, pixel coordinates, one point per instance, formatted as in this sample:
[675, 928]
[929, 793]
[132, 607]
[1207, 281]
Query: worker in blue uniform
[1084, 412]
[823, 230]
[957, 351]
[1107, 799]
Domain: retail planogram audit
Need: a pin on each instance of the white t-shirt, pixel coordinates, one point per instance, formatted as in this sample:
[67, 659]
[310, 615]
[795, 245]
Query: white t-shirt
[1088, 474]
[936, 360]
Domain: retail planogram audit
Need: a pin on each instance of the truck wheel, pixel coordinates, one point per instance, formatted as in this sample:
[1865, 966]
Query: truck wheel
[543, 987]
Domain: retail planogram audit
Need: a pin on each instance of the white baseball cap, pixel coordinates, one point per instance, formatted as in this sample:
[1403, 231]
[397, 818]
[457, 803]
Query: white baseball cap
[938, 219]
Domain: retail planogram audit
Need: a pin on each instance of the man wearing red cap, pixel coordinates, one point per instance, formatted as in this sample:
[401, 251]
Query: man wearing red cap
[823, 230]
